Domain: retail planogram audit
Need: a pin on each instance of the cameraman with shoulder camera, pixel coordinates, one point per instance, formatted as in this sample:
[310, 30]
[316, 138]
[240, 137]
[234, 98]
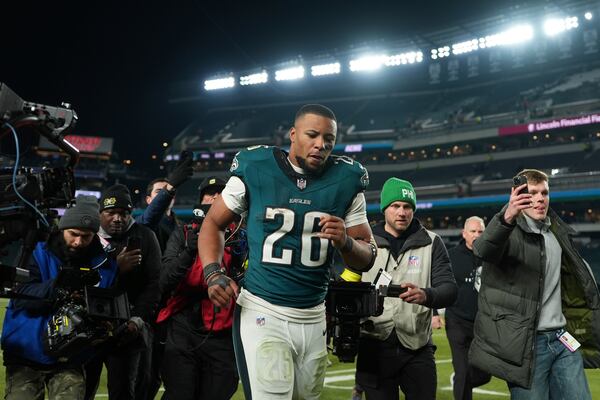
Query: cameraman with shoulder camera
[397, 350]
[199, 361]
[60, 260]
[138, 258]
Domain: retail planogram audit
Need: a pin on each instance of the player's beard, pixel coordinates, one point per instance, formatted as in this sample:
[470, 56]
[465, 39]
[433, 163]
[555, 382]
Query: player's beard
[308, 169]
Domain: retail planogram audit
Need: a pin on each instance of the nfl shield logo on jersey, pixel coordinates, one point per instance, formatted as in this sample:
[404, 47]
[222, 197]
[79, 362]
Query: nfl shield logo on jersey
[301, 183]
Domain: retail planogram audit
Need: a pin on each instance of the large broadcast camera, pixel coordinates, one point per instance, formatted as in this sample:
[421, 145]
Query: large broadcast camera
[348, 305]
[28, 194]
[83, 315]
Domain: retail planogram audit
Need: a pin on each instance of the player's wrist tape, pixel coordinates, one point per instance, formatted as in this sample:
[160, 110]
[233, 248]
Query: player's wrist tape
[211, 270]
[351, 276]
[373, 248]
[220, 280]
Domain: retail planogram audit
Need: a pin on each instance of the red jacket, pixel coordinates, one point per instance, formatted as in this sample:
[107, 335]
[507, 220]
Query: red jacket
[194, 284]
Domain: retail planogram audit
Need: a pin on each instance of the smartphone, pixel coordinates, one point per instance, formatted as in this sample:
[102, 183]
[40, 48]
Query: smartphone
[520, 180]
[134, 243]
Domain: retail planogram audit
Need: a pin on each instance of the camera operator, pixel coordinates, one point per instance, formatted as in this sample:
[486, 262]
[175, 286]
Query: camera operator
[138, 276]
[29, 370]
[199, 361]
[397, 350]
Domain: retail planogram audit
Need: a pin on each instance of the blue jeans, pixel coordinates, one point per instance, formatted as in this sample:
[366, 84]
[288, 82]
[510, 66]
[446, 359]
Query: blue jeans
[557, 373]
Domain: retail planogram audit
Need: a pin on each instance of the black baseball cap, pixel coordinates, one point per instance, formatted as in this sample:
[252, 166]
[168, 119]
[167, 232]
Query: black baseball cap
[212, 182]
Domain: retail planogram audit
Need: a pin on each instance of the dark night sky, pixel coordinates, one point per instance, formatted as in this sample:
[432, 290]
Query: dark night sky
[116, 61]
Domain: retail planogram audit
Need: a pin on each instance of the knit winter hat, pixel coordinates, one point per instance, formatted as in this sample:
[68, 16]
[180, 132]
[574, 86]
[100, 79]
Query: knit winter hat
[84, 214]
[395, 189]
[116, 196]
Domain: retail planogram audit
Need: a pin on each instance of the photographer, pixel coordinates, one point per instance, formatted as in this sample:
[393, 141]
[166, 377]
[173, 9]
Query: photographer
[199, 361]
[397, 350]
[138, 258]
[75, 247]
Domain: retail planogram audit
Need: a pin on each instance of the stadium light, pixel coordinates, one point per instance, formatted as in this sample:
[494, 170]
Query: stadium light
[219, 83]
[289, 74]
[518, 34]
[254, 79]
[588, 15]
[554, 26]
[367, 63]
[404, 58]
[465, 47]
[325, 69]
[440, 52]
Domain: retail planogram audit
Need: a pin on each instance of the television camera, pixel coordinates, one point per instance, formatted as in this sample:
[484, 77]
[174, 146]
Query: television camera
[348, 305]
[82, 314]
[85, 315]
[29, 194]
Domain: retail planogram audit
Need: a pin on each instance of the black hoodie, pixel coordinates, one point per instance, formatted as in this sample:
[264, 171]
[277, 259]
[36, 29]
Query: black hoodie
[464, 266]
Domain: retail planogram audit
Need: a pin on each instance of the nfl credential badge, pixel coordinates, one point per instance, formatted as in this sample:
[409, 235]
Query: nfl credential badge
[301, 183]
[413, 261]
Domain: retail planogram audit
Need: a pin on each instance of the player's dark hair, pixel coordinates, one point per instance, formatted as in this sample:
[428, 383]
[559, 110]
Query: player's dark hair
[316, 109]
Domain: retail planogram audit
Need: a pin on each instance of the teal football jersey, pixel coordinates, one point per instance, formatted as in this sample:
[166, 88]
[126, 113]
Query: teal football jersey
[288, 265]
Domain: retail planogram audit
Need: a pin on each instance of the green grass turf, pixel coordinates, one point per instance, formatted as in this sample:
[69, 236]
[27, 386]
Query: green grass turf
[340, 376]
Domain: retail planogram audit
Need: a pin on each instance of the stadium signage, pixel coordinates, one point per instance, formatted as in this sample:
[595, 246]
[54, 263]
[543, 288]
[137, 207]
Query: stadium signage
[549, 125]
[85, 144]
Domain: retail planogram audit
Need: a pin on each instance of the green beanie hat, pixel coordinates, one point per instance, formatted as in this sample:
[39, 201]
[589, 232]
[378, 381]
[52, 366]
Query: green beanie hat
[395, 189]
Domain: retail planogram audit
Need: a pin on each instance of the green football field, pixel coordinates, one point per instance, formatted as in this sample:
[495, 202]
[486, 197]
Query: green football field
[340, 376]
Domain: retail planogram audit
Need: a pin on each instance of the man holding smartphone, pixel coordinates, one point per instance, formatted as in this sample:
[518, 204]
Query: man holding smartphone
[138, 259]
[538, 322]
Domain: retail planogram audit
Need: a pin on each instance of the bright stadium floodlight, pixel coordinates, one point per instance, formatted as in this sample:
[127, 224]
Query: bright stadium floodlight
[325, 69]
[588, 15]
[515, 35]
[254, 79]
[289, 74]
[404, 58]
[219, 83]
[465, 47]
[441, 52]
[367, 63]
[554, 26]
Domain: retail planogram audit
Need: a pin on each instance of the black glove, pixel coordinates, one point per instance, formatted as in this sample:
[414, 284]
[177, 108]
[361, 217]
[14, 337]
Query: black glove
[191, 241]
[182, 171]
